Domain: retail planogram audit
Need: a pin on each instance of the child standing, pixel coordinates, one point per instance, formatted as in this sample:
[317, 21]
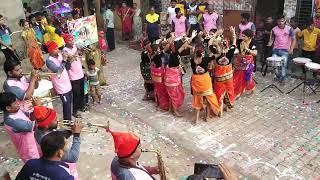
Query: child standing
[93, 78]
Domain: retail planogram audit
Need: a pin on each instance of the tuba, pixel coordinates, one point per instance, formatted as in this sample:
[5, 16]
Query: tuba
[162, 170]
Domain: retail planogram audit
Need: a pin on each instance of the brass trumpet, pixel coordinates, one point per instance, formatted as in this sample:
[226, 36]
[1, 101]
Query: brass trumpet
[67, 126]
[46, 99]
[44, 75]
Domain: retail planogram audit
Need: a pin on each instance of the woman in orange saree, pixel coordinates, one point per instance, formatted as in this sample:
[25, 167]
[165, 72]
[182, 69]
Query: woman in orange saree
[173, 83]
[242, 76]
[157, 73]
[223, 73]
[33, 49]
[203, 95]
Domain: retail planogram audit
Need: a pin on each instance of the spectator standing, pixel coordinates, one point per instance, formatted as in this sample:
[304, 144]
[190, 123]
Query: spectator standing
[152, 26]
[109, 25]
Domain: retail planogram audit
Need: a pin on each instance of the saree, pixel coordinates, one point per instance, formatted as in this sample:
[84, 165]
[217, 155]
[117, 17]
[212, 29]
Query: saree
[242, 76]
[137, 25]
[202, 89]
[223, 84]
[160, 92]
[33, 50]
[172, 81]
[126, 19]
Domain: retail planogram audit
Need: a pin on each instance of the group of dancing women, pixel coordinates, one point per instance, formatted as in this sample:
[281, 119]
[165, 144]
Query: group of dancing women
[222, 70]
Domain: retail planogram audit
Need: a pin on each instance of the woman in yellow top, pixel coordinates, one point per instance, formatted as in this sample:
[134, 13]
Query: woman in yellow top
[33, 48]
[54, 33]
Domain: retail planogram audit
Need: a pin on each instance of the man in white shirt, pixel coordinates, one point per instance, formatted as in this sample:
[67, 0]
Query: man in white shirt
[108, 21]
[171, 12]
[193, 14]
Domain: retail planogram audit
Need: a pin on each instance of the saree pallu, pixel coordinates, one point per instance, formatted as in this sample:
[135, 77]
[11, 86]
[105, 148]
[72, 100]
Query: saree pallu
[160, 92]
[172, 81]
[242, 76]
[223, 84]
[36, 58]
[202, 89]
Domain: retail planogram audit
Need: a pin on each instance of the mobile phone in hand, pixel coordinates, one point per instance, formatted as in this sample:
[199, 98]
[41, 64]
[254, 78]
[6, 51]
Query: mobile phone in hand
[208, 170]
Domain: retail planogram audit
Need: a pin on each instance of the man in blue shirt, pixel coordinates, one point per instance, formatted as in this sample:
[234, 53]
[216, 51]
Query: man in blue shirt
[6, 42]
[50, 165]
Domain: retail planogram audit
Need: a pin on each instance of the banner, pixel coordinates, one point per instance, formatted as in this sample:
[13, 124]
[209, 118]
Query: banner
[84, 30]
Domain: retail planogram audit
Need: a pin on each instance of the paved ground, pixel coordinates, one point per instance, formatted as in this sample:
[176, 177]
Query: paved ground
[266, 136]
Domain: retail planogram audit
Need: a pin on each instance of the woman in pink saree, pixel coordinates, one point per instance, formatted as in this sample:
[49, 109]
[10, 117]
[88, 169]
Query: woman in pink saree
[173, 83]
[157, 73]
[125, 13]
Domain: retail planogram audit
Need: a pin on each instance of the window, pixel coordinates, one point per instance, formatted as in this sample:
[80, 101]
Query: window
[303, 11]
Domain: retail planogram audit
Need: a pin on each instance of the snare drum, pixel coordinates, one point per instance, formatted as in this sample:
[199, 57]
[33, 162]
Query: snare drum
[301, 60]
[275, 61]
[315, 67]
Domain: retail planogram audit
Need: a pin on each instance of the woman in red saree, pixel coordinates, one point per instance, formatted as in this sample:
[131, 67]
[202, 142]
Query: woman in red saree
[173, 83]
[157, 73]
[125, 13]
[244, 66]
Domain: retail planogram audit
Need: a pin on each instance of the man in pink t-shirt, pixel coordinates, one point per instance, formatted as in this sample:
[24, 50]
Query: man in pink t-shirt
[210, 20]
[283, 39]
[244, 25]
[180, 24]
[75, 73]
[20, 85]
[61, 83]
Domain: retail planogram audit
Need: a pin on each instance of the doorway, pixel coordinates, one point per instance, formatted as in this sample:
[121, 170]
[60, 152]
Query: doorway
[269, 8]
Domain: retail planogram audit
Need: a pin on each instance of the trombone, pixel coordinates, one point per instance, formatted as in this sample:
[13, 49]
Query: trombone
[67, 126]
[89, 126]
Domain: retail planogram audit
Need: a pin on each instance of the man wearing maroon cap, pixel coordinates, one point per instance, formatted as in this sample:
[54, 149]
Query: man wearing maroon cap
[56, 64]
[125, 165]
[75, 73]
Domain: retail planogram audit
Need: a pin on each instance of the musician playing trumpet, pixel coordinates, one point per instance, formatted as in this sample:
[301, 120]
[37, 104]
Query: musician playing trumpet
[21, 86]
[47, 122]
[125, 165]
[75, 73]
[61, 82]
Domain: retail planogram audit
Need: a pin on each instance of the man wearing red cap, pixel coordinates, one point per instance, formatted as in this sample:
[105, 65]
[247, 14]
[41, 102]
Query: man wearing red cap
[125, 165]
[56, 63]
[75, 73]
[47, 122]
